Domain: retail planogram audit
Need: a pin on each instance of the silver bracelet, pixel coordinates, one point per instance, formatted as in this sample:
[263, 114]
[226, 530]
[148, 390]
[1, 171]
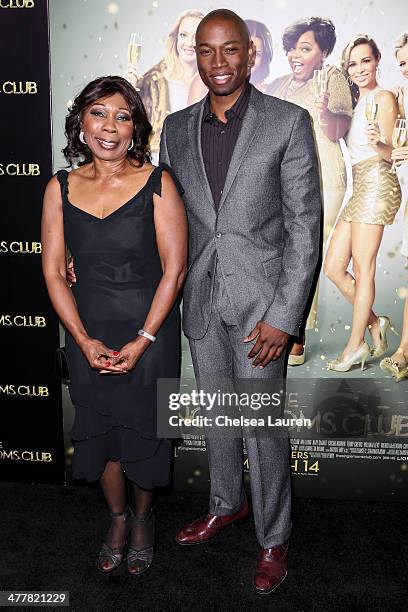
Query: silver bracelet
[146, 334]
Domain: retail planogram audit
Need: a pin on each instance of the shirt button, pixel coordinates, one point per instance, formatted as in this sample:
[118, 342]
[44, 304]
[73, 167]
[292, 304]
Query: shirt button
[222, 132]
[218, 234]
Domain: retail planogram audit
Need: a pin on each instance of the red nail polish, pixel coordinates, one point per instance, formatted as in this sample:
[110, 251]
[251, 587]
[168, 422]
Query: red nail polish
[116, 353]
[108, 363]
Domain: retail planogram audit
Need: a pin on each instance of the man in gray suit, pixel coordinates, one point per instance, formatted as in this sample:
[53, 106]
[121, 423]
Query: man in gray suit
[248, 165]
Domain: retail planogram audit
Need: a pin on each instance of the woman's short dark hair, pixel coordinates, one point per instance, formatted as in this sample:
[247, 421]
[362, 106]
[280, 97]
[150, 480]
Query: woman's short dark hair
[259, 29]
[104, 87]
[323, 30]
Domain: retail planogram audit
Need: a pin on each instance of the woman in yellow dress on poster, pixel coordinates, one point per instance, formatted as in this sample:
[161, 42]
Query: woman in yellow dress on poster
[397, 364]
[307, 44]
[374, 203]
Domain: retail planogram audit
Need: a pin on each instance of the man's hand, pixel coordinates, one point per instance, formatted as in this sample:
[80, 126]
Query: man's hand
[71, 278]
[269, 346]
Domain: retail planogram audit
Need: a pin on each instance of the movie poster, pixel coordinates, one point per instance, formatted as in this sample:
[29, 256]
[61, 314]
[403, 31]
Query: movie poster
[357, 442]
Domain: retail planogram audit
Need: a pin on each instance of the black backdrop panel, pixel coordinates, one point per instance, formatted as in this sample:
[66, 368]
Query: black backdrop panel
[31, 438]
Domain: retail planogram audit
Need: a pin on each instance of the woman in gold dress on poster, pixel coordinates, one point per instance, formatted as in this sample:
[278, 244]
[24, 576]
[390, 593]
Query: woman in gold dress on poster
[307, 44]
[374, 203]
[397, 364]
[165, 88]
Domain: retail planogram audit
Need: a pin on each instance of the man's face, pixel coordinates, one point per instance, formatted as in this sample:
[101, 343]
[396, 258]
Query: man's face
[223, 56]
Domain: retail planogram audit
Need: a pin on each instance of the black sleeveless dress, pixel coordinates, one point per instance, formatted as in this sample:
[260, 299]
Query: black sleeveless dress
[118, 269]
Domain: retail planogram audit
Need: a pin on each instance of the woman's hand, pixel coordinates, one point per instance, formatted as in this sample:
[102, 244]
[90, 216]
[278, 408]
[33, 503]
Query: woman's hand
[398, 92]
[131, 75]
[99, 356]
[400, 155]
[128, 356]
[71, 278]
[321, 104]
[373, 134]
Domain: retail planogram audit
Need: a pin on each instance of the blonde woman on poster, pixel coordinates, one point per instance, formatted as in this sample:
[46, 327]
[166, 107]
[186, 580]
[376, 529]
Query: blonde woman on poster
[164, 88]
[397, 364]
[374, 203]
[307, 44]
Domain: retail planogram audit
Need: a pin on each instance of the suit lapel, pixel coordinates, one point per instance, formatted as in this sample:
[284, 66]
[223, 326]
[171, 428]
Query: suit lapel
[250, 124]
[194, 133]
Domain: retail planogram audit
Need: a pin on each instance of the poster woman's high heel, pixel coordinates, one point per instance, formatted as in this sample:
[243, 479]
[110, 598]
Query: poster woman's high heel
[384, 325]
[397, 369]
[358, 356]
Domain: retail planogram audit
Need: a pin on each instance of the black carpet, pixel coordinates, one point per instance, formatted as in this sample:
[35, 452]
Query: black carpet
[344, 555]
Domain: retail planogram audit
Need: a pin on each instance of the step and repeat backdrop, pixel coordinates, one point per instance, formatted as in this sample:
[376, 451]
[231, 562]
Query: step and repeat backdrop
[357, 442]
[31, 427]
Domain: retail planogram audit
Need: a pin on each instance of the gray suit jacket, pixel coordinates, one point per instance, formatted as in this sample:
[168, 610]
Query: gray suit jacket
[266, 232]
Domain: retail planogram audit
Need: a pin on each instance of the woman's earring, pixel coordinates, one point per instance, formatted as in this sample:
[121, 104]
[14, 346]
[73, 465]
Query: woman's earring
[131, 146]
[82, 137]
[378, 72]
[350, 82]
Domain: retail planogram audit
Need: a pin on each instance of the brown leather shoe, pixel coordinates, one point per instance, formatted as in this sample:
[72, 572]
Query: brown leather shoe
[206, 527]
[271, 569]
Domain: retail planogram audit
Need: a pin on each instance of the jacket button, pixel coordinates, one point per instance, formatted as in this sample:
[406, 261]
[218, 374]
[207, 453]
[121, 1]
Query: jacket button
[218, 234]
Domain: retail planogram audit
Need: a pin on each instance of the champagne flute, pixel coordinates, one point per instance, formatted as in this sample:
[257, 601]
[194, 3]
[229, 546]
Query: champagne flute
[320, 85]
[134, 49]
[399, 137]
[371, 109]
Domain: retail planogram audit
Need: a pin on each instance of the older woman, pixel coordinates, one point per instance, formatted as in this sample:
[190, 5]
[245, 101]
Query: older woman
[374, 203]
[308, 43]
[397, 364]
[164, 88]
[125, 224]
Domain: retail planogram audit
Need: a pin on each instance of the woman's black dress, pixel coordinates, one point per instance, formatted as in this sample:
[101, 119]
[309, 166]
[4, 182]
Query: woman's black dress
[118, 269]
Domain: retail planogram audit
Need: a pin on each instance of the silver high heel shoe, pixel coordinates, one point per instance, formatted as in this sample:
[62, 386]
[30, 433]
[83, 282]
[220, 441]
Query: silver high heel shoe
[111, 557]
[384, 325]
[141, 550]
[358, 356]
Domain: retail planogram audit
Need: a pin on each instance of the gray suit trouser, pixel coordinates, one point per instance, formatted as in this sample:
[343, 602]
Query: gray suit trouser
[222, 353]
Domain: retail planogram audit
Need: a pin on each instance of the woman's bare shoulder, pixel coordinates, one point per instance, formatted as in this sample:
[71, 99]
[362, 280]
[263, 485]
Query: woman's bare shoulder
[385, 95]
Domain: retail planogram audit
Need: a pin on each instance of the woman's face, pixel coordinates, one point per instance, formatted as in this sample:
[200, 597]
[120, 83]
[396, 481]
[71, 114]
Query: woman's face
[108, 127]
[305, 57]
[362, 66]
[186, 39]
[402, 59]
[259, 52]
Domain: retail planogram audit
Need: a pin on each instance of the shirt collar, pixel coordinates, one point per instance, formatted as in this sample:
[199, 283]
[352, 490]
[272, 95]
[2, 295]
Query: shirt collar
[238, 109]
